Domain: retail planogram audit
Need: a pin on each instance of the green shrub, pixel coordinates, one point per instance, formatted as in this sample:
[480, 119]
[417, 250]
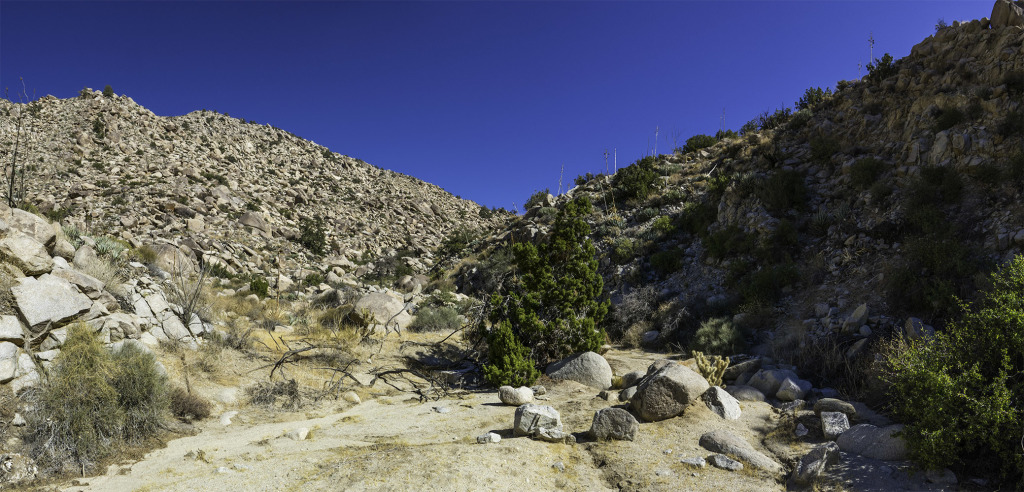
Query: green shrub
[765, 285]
[882, 69]
[554, 305]
[727, 242]
[718, 336]
[665, 263]
[961, 395]
[988, 173]
[770, 121]
[864, 172]
[537, 198]
[623, 250]
[313, 279]
[313, 235]
[784, 190]
[823, 148]
[79, 416]
[637, 180]
[508, 361]
[663, 225]
[108, 92]
[141, 391]
[259, 286]
[99, 128]
[441, 318]
[647, 214]
[947, 118]
[698, 142]
[814, 96]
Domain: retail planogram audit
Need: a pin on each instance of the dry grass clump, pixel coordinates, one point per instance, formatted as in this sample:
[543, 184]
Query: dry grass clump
[188, 407]
[7, 304]
[107, 272]
[267, 393]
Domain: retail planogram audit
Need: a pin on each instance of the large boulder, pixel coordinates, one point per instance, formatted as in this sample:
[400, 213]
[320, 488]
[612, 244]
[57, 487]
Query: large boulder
[614, 423]
[722, 403]
[874, 442]
[32, 225]
[26, 253]
[48, 299]
[8, 361]
[530, 418]
[587, 368]
[668, 392]
[1006, 14]
[725, 442]
[171, 258]
[378, 308]
[89, 285]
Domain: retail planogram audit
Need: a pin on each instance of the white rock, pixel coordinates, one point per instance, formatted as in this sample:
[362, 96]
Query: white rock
[48, 299]
[298, 434]
[515, 396]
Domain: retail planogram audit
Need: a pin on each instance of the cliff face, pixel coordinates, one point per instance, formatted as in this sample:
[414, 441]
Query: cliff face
[222, 187]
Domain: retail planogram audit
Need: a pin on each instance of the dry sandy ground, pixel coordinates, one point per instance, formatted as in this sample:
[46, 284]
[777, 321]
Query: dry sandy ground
[395, 441]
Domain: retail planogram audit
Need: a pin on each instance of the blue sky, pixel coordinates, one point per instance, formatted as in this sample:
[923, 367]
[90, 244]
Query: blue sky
[486, 99]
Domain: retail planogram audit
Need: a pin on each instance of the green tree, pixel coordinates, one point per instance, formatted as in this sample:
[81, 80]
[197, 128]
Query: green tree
[554, 305]
[108, 91]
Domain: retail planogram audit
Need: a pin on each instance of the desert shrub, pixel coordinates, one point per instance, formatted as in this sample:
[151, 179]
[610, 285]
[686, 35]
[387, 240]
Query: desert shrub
[1016, 167]
[823, 148]
[718, 336]
[313, 279]
[537, 198]
[456, 242]
[313, 235]
[108, 91]
[726, 134]
[187, 406]
[987, 173]
[960, 394]
[937, 185]
[697, 217]
[1012, 124]
[728, 241]
[1014, 82]
[800, 119]
[879, 192]
[663, 226]
[948, 117]
[864, 172]
[268, 393]
[647, 214]
[441, 318]
[638, 180]
[783, 190]
[623, 250]
[144, 255]
[141, 391]
[882, 69]
[765, 284]
[770, 121]
[110, 247]
[664, 263]
[554, 305]
[935, 269]
[636, 307]
[698, 142]
[258, 285]
[814, 96]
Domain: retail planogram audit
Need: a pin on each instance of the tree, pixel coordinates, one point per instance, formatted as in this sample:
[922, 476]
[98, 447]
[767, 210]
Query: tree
[108, 92]
[553, 308]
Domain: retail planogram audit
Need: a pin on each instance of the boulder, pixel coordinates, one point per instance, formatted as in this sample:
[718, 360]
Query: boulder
[696, 462]
[793, 389]
[833, 424]
[515, 396]
[874, 442]
[378, 308]
[88, 284]
[631, 378]
[815, 462]
[725, 442]
[171, 258]
[26, 253]
[1006, 14]
[614, 423]
[33, 226]
[11, 330]
[722, 403]
[587, 368]
[745, 393]
[734, 371]
[254, 220]
[529, 418]
[85, 257]
[768, 381]
[8, 361]
[668, 392]
[48, 299]
[553, 435]
[627, 394]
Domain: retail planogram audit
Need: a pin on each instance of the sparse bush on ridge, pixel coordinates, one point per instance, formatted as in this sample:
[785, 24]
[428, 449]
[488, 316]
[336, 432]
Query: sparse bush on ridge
[813, 96]
[698, 142]
[638, 180]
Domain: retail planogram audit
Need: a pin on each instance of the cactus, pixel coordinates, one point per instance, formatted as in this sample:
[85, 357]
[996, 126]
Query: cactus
[712, 368]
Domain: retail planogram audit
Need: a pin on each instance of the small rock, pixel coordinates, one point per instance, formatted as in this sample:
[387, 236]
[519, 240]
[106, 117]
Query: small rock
[833, 424]
[627, 394]
[801, 430]
[814, 463]
[793, 389]
[298, 434]
[663, 473]
[18, 421]
[554, 435]
[722, 403]
[724, 462]
[539, 390]
[745, 393]
[697, 462]
[351, 397]
[944, 477]
[225, 418]
[489, 438]
[834, 405]
[558, 465]
[442, 409]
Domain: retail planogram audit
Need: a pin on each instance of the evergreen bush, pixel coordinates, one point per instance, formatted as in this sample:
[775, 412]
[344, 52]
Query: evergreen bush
[638, 180]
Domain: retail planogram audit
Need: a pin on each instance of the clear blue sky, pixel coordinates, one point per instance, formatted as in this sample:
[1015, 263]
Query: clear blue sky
[486, 99]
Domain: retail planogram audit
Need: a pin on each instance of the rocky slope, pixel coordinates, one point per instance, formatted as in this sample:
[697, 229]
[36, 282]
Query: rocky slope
[232, 191]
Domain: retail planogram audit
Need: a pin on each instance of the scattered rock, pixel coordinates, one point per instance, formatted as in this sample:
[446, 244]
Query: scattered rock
[667, 392]
[587, 368]
[745, 393]
[793, 389]
[834, 405]
[814, 463]
[614, 423]
[225, 418]
[11, 330]
[725, 442]
[768, 381]
[515, 396]
[722, 403]
[530, 417]
[697, 462]
[489, 438]
[18, 420]
[724, 462]
[298, 434]
[553, 435]
[351, 397]
[944, 477]
[539, 390]
[15, 468]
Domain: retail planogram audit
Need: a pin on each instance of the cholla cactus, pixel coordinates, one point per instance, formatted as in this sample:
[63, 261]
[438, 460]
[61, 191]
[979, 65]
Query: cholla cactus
[712, 368]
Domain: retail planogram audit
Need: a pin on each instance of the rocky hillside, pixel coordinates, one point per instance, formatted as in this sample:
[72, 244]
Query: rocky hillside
[834, 223]
[238, 193]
